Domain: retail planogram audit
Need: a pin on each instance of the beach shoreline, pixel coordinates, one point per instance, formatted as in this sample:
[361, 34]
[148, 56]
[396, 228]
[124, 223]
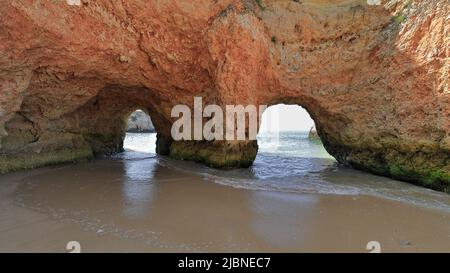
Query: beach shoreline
[177, 211]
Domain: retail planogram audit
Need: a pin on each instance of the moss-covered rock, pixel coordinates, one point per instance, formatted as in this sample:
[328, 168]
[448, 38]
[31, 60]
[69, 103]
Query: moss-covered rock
[430, 170]
[15, 162]
[50, 149]
[217, 154]
[436, 179]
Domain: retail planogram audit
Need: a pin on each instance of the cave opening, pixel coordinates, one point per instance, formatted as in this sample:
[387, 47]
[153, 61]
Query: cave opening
[140, 133]
[289, 130]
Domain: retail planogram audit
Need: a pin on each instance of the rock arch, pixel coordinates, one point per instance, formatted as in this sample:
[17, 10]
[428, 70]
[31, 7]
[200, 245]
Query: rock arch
[375, 78]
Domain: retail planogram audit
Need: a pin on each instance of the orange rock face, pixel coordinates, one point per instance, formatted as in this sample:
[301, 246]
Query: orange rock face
[375, 78]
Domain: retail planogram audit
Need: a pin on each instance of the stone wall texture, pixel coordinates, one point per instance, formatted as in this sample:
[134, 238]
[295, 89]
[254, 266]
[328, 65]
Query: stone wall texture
[375, 78]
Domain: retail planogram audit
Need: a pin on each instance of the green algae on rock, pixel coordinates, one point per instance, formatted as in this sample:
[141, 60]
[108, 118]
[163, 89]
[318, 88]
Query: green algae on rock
[217, 154]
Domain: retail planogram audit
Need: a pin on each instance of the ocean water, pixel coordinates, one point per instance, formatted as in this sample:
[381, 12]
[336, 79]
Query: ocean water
[295, 198]
[287, 162]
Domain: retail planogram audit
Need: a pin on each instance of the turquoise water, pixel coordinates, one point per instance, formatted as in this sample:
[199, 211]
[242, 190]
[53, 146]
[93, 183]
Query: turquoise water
[288, 162]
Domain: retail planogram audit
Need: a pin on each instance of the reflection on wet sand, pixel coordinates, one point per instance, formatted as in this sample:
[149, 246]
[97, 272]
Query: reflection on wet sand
[144, 204]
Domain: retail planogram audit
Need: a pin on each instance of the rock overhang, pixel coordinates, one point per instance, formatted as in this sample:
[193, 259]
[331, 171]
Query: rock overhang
[373, 77]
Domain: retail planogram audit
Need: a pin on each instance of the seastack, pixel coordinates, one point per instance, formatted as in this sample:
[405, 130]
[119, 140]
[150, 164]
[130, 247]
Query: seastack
[313, 135]
[374, 77]
[140, 122]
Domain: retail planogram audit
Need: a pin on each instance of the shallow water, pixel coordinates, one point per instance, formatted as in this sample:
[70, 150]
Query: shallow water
[294, 198]
[290, 162]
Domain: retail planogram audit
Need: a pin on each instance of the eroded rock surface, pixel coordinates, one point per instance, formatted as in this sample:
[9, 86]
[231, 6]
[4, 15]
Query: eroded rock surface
[140, 122]
[375, 78]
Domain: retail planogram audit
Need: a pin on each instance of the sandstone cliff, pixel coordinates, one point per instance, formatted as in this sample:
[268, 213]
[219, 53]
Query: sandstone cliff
[375, 78]
[140, 122]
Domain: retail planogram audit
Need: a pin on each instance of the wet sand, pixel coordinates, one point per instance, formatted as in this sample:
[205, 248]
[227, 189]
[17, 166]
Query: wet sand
[115, 206]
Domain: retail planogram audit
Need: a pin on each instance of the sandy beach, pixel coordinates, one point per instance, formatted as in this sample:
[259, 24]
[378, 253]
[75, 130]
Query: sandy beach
[119, 209]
